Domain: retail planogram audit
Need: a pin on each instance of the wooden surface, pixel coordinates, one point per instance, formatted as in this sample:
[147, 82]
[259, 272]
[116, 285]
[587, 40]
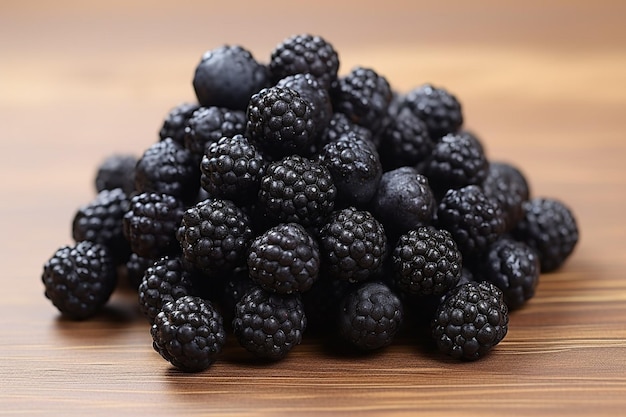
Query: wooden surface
[543, 85]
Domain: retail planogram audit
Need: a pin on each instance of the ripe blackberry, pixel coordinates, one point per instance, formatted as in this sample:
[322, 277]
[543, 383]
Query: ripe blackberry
[340, 125]
[353, 245]
[228, 76]
[176, 120]
[305, 53]
[280, 122]
[117, 171]
[189, 333]
[438, 108]
[426, 261]
[296, 189]
[355, 167]
[232, 169]
[151, 222]
[79, 279]
[209, 124]
[370, 316]
[403, 200]
[269, 325]
[285, 259]
[405, 141]
[507, 185]
[513, 267]
[471, 320]
[167, 168]
[214, 236]
[550, 228]
[100, 221]
[474, 220]
[364, 96]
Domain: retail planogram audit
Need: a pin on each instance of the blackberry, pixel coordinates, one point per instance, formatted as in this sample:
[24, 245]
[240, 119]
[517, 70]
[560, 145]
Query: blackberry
[228, 76]
[438, 108]
[513, 267]
[353, 245]
[136, 266]
[214, 236]
[269, 325]
[471, 320]
[296, 189]
[370, 316]
[507, 185]
[355, 167]
[305, 53]
[232, 169]
[100, 221]
[175, 122]
[79, 279]
[117, 171]
[364, 96]
[284, 259]
[209, 124]
[189, 333]
[151, 222]
[340, 125]
[280, 122]
[550, 228]
[474, 220]
[405, 141]
[403, 200]
[167, 168]
[426, 261]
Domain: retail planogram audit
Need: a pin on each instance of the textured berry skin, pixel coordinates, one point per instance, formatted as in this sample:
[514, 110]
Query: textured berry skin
[370, 316]
[117, 171]
[167, 168]
[151, 222]
[100, 221]
[188, 333]
[296, 189]
[232, 169]
[471, 320]
[340, 125]
[513, 267]
[355, 167]
[437, 107]
[474, 220]
[214, 236]
[209, 124]
[280, 122]
[353, 245]
[285, 259]
[404, 141]
[426, 261]
[305, 53]
[79, 279]
[176, 120]
[269, 325]
[508, 186]
[550, 228]
[228, 76]
[364, 96]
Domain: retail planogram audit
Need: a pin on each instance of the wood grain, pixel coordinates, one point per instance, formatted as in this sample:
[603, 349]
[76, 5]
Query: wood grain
[543, 85]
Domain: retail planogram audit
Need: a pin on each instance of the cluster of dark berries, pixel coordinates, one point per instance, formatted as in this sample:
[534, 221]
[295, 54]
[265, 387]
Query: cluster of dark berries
[290, 198]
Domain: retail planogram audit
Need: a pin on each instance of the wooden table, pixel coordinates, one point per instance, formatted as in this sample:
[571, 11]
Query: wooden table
[543, 86]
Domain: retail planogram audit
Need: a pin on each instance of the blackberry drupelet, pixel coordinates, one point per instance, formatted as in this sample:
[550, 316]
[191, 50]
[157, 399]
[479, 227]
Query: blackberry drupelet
[340, 125]
[285, 259]
[302, 54]
[470, 321]
[269, 325]
[507, 185]
[214, 236]
[426, 261]
[188, 333]
[117, 171]
[79, 279]
[370, 316]
[176, 120]
[438, 108]
[209, 124]
[296, 189]
[404, 141]
[550, 228]
[232, 169]
[228, 76]
[151, 223]
[280, 122]
[353, 245]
